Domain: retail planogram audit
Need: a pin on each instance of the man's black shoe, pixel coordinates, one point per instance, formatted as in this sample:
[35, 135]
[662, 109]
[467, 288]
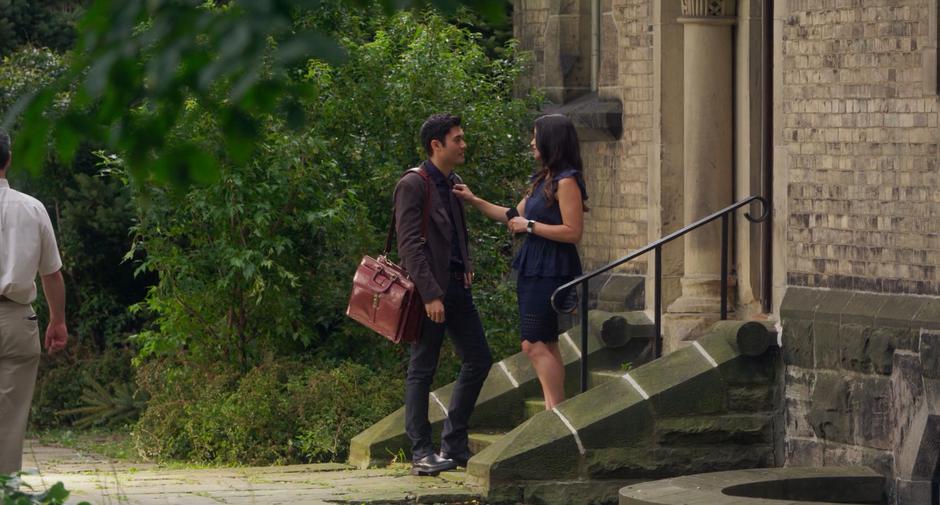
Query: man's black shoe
[432, 464]
[461, 459]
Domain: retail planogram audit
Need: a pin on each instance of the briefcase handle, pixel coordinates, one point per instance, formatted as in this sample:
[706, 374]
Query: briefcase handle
[377, 286]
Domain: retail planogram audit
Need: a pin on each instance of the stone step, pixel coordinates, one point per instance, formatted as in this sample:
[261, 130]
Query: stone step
[743, 429]
[479, 440]
[536, 404]
[533, 406]
[598, 377]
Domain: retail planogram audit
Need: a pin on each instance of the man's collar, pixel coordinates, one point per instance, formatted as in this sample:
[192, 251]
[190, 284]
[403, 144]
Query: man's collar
[435, 172]
[4, 183]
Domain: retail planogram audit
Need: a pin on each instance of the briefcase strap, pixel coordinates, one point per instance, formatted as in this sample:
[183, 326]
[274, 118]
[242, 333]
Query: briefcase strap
[427, 205]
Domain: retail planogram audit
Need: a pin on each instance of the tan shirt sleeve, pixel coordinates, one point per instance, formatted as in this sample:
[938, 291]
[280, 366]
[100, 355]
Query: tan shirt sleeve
[49, 260]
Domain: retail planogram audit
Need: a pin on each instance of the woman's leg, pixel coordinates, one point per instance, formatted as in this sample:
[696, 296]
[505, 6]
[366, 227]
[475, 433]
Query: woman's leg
[558, 372]
[549, 368]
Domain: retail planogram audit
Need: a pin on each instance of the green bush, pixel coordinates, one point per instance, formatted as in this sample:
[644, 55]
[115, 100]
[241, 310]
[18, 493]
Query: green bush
[48, 23]
[61, 381]
[278, 412]
[337, 404]
[163, 431]
[23, 71]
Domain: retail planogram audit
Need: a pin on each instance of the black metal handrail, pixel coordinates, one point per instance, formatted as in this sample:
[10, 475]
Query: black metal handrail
[656, 247]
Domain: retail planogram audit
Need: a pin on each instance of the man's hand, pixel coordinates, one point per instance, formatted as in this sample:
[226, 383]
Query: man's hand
[467, 279]
[435, 310]
[57, 334]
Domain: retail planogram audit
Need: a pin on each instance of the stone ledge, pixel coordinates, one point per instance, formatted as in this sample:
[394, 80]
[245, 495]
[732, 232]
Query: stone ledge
[772, 486]
[853, 331]
[595, 118]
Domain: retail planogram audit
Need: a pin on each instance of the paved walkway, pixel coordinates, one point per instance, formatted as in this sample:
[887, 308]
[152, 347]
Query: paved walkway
[100, 481]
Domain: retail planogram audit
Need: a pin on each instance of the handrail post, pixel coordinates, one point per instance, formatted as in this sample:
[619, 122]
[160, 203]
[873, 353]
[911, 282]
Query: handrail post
[724, 267]
[584, 335]
[658, 301]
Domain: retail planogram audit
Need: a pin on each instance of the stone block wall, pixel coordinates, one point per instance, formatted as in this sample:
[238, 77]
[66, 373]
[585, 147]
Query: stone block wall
[858, 123]
[861, 383]
[616, 169]
[529, 22]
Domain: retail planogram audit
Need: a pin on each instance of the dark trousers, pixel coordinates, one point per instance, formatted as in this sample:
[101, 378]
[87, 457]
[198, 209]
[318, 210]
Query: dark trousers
[462, 322]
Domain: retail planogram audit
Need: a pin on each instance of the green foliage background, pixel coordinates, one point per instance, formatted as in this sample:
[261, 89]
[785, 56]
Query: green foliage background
[232, 291]
[38, 23]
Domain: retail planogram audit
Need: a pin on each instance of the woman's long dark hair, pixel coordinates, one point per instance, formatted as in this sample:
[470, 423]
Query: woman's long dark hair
[557, 142]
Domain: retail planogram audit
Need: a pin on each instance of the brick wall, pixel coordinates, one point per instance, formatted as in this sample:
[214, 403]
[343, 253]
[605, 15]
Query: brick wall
[529, 20]
[616, 223]
[860, 125]
[617, 171]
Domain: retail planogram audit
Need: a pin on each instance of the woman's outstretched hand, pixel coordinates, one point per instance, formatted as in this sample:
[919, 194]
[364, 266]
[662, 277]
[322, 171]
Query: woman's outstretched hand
[463, 192]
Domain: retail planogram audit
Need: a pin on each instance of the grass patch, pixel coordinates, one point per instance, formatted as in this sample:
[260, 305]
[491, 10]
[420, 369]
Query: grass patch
[116, 444]
[110, 443]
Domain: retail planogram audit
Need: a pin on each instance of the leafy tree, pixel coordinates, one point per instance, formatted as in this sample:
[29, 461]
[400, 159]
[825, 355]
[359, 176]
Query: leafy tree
[38, 23]
[155, 56]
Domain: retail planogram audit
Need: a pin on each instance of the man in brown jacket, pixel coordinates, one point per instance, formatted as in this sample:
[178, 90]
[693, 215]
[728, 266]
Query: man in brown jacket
[439, 265]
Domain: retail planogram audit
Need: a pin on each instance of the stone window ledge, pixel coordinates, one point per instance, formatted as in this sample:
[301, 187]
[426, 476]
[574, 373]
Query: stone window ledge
[596, 118]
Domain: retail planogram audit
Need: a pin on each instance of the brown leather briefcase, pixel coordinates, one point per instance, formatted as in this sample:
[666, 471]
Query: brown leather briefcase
[384, 299]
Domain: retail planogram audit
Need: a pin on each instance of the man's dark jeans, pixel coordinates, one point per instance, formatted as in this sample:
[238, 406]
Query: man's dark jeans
[462, 322]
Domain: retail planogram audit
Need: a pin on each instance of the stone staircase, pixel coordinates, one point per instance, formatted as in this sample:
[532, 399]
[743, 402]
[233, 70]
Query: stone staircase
[511, 393]
[709, 406]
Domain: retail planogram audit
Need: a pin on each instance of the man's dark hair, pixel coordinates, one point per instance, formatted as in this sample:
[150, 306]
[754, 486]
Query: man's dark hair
[4, 148]
[436, 127]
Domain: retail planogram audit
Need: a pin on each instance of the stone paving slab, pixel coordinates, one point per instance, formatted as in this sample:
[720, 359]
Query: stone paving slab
[101, 481]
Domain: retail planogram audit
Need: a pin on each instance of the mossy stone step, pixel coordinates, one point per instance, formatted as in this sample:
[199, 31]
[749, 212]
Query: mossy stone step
[743, 429]
[598, 377]
[479, 440]
[534, 406]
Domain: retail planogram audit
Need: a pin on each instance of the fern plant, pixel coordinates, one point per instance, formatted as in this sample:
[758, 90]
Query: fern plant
[108, 406]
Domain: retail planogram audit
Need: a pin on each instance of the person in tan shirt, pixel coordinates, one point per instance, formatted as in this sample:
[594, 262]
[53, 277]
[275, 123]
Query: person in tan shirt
[27, 247]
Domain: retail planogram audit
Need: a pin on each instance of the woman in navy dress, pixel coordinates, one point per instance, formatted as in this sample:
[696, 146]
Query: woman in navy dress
[552, 215]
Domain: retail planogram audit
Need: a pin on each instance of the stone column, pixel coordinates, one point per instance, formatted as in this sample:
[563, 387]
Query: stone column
[707, 156]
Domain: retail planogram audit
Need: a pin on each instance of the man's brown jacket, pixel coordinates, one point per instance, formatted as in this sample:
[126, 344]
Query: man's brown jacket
[427, 259]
